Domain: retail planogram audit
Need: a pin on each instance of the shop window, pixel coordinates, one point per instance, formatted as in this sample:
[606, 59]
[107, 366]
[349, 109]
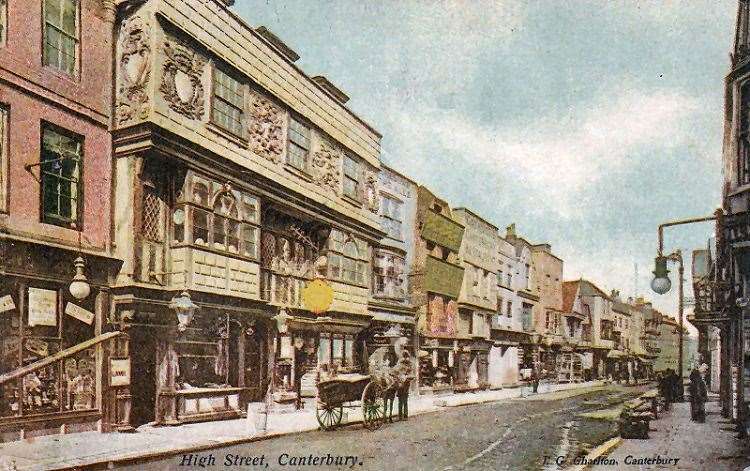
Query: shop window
[61, 35]
[4, 169]
[299, 145]
[336, 349]
[352, 177]
[62, 188]
[228, 102]
[42, 331]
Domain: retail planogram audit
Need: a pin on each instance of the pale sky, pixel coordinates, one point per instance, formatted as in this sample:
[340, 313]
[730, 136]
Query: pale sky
[585, 122]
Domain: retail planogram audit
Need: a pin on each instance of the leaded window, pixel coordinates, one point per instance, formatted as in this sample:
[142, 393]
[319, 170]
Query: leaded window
[743, 151]
[228, 102]
[352, 175]
[152, 215]
[347, 259]
[299, 145]
[229, 224]
[388, 273]
[61, 159]
[61, 34]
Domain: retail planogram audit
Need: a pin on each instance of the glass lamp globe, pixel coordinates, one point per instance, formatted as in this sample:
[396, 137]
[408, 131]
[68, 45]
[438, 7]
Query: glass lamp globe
[661, 285]
[79, 288]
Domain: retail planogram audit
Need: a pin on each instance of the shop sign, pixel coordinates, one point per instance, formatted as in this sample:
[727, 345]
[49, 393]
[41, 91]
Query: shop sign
[443, 277]
[317, 296]
[83, 315]
[442, 230]
[37, 347]
[42, 307]
[6, 303]
[119, 372]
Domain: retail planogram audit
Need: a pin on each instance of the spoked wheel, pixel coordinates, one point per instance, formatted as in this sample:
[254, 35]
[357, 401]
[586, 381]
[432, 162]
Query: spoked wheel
[329, 417]
[373, 406]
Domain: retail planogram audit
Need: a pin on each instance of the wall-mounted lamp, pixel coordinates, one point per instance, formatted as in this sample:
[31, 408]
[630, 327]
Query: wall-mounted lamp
[185, 308]
[79, 288]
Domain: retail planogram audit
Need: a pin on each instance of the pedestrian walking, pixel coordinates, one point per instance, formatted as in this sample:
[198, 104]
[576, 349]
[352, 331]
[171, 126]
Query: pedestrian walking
[535, 378]
[698, 394]
[665, 389]
[675, 386]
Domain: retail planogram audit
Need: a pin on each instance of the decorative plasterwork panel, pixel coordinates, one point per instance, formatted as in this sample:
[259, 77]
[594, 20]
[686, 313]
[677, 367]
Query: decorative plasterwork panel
[267, 129]
[326, 166]
[181, 83]
[371, 191]
[134, 70]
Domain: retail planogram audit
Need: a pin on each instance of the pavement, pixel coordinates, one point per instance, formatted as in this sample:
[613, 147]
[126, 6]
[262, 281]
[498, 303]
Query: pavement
[93, 449]
[695, 446]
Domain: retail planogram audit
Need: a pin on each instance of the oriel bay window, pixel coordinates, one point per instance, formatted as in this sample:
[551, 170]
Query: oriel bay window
[388, 273]
[216, 217]
[61, 159]
[347, 259]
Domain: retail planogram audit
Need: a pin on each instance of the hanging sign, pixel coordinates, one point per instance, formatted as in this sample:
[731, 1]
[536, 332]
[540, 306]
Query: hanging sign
[6, 303]
[317, 296]
[119, 372]
[42, 307]
[83, 315]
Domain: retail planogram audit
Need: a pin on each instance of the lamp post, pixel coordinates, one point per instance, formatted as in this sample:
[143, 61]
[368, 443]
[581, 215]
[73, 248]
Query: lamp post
[661, 285]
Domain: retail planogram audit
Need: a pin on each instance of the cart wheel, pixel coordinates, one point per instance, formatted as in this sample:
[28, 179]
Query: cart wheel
[329, 417]
[373, 406]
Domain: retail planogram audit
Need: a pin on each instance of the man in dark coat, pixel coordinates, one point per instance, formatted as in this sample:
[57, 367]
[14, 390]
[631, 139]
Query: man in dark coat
[675, 386]
[698, 394]
[665, 388]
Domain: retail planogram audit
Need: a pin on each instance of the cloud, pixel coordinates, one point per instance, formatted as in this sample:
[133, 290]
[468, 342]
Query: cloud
[559, 156]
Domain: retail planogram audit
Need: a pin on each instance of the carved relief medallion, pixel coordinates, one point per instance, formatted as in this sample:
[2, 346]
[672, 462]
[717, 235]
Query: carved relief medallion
[326, 166]
[181, 80]
[267, 133]
[134, 70]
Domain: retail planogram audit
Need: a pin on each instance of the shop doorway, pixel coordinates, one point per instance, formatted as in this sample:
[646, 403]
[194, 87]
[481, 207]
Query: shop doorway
[143, 385]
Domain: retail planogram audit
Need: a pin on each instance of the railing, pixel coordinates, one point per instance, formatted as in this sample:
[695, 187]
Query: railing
[64, 381]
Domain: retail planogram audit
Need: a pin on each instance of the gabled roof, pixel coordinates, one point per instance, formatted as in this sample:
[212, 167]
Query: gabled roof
[569, 292]
[590, 289]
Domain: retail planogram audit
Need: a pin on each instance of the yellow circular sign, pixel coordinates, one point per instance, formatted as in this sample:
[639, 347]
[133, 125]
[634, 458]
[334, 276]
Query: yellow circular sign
[317, 296]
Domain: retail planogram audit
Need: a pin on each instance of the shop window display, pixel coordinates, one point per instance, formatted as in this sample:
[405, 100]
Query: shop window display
[29, 337]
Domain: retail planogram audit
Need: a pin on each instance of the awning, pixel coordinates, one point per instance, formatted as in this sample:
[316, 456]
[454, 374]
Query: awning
[616, 354]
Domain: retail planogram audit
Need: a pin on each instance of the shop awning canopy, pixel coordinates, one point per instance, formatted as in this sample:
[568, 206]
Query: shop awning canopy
[616, 354]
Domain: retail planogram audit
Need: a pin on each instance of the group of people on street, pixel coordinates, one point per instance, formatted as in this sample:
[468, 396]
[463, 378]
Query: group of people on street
[672, 390]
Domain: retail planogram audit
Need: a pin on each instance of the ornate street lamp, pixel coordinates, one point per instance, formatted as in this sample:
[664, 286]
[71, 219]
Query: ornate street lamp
[185, 308]
[661, 283]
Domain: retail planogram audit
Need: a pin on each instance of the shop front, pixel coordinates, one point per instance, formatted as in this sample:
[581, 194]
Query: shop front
[311, 347]
[54, 352]
[505, 356]
[201, 365]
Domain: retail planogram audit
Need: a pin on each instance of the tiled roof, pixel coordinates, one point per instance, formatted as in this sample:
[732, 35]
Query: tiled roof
[569, 292]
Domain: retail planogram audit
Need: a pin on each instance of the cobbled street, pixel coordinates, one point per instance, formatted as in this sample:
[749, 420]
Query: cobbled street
[514, 435]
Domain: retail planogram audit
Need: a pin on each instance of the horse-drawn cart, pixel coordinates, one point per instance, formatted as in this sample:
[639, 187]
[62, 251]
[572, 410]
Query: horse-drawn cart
[345, 390]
